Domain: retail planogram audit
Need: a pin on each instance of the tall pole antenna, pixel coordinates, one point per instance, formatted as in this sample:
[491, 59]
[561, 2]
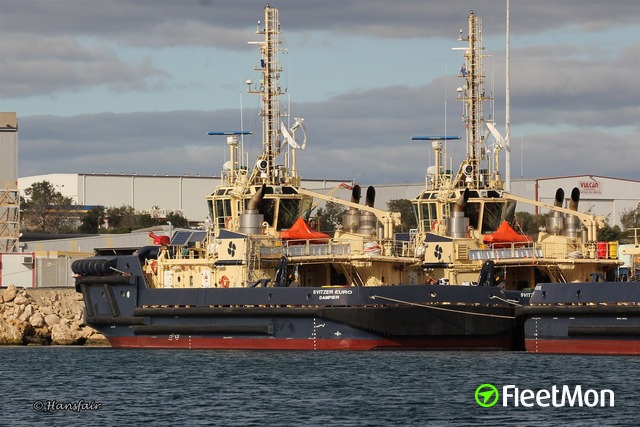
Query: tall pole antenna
[507, 136]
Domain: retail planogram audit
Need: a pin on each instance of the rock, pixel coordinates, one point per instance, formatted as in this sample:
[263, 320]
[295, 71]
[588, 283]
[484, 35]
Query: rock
[23, 326]
[10, 334]
[61, 334]
[44, 316]
[95, 338]
[17, 310]
[51, 319]
[77, 312]
[10, 293]
[21, 299]
[8, 310]
[27, 313]
[76, 325]
[38, 339]
[37, 320]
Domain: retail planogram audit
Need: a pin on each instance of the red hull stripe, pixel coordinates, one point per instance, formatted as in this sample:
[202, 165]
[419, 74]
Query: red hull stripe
[186, 342]
[573, 346]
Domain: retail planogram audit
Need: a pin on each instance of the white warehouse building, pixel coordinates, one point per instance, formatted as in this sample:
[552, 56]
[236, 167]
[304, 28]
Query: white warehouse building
[605, 196]
[184, 194]
[599, 195]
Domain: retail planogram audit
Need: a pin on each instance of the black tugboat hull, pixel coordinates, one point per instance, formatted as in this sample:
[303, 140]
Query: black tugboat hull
[583, 318]
[433, 317]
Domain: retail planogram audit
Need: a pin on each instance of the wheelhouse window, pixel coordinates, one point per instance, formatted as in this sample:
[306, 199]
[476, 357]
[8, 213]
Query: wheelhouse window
[288, 213]
[428, 213]
[222, 212]
[496, 212]
[267, 207]
[492, 217]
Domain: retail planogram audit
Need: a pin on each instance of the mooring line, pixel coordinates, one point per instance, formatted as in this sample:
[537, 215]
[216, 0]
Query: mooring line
[440, 308]
[508, 301]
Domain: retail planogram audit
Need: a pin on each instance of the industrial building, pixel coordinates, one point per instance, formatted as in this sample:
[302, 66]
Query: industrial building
[159, 195]
[599, 195]
[605, 196]
[9, 199]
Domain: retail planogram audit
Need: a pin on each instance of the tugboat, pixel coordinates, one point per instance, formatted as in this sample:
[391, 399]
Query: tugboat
[261, 277]
[595, 317]
[468, 217]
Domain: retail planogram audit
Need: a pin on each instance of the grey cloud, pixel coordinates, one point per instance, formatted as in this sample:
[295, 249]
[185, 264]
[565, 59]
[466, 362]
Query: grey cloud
[349, 133]
[120, 19]
[363, 131]
[62, 63]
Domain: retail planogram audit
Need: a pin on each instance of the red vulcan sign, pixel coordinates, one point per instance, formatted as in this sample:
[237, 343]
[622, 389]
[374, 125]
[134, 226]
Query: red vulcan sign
[589, 187]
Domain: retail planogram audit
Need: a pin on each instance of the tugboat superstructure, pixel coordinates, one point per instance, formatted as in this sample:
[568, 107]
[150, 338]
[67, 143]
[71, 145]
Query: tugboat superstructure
[466, 218]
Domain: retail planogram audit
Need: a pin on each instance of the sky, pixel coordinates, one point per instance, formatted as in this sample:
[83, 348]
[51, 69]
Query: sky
[131, 86]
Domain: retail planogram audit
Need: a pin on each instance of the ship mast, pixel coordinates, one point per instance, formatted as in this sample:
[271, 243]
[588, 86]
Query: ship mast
[473, 96]
[270, 91]
[472, 93]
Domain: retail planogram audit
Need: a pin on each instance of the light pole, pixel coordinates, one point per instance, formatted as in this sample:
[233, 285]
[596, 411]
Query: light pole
[354, 178]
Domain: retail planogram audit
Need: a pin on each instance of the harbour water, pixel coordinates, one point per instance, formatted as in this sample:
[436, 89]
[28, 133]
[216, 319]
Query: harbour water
[43, 386]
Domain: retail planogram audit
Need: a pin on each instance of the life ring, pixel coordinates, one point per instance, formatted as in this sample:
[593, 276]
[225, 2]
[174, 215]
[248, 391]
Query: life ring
[154, 267]
[224, 282]
[434, 224]
[229, 222]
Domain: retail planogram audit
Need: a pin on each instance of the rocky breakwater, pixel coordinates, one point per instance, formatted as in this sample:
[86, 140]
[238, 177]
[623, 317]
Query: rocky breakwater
[44, 316]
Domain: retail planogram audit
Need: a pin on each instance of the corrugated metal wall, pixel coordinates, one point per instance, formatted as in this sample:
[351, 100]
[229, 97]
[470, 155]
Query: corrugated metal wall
[8, 148]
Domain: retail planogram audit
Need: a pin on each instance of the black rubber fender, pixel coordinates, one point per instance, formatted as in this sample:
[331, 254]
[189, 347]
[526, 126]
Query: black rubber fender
[94, 267]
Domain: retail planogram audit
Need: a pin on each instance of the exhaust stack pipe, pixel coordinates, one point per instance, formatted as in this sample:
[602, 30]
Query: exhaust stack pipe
[371, 196]
[575, 199]
[256, 199]
[555, 221]
[368, 220]
[461, 203]
[571, 222]
[458, 224]
[251, 220]
[351, 218]
[356, 194]
[559, 200]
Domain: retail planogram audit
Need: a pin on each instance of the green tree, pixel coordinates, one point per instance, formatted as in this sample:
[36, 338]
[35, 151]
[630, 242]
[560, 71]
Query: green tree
[330, 216]
[528, 223]
[631, 218]
[45, 209]
[92, 221]
[125, 219]
[176, 220]
[122, 219]
[408, 216]
[609, 233]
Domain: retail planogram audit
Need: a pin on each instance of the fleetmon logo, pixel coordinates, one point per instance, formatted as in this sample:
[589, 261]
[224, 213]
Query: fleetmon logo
[486, 395]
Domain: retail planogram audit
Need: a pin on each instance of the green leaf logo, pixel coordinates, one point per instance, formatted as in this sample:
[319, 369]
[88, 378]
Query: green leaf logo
[487, 395]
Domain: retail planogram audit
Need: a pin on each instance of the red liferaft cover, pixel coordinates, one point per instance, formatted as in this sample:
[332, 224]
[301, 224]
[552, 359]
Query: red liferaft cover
[301, 231]
[506, 234]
